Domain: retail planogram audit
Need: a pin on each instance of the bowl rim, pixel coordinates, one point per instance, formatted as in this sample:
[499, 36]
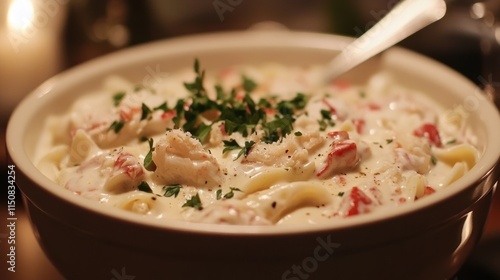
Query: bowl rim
[217, 41]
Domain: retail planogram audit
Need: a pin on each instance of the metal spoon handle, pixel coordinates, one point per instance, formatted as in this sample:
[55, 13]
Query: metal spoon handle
[406, 18]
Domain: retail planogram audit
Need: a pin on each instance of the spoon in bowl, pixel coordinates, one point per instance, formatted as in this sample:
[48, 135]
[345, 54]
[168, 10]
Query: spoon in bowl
[408, 17]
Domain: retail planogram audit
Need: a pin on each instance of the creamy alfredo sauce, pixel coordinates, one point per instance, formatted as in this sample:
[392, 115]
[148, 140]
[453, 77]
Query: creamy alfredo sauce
[255, 146]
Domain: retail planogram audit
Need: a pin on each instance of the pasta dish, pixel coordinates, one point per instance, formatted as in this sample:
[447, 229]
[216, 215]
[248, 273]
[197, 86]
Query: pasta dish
[256, 145]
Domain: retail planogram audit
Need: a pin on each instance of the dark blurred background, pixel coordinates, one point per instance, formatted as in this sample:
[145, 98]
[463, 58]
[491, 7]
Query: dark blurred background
[40, 38]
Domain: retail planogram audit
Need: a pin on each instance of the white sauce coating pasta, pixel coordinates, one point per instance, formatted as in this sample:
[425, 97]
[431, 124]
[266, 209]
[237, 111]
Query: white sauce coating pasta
[256, 146]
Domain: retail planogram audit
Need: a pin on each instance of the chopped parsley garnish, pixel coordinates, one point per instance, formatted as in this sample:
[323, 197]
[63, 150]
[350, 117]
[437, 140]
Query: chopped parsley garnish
[433, 160]
[326, 114]
[248, 84]
[278, 128]
[116, 126]
[240, 116]
[162, 106]
[389, 141]
[218, 194]
[298, 133]
[140, 87]
[264, 103]
[228, 195]
[341, 194]
[326, 120]
[233, 145]
[246, 149]
[146, 112]
[148, 159]
[196, 87]
[322, 125]
[117, 98]
[453, 141]
[238, 113]
[144, 187]
[194, 202]
[230, 145]
[288, 107]
[179, 110]
[172, 190]
[202, 132]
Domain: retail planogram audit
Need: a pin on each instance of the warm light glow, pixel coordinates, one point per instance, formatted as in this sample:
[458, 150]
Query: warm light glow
[497, 34]
[478, 10]
[20, 14]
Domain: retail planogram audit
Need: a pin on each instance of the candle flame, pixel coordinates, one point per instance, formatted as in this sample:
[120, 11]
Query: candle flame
[20, 14]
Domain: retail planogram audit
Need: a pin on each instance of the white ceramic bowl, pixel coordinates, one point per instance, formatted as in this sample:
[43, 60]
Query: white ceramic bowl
[428, 239]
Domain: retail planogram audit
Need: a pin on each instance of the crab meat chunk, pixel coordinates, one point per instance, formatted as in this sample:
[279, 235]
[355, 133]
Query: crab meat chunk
[181, 159]
[293, 151]
[125, 122]
[416, 159]
[115, 172]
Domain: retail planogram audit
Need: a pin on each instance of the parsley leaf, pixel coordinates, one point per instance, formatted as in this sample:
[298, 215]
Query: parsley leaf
[434, 160]
[326, 120]
[241, 117]
[233, 145]
[116, 126]
[162, 106]
[264, 103]
[326, 114]
[276, 129]
[288, 107]
[196, 87]
[248, 84]
[117, 98]
[148, 159]
[219, 92]
[230, 145]
[246, 150]
[179, 110]
[172, 190]
[230, 194]
[453, 141]
[322, 125]
[144, 187]
[202, 132]
[194, 202]
[146, 112]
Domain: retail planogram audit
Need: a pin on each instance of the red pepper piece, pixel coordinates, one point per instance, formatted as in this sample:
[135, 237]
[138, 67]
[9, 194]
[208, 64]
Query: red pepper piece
[358, 201]
[429, 131]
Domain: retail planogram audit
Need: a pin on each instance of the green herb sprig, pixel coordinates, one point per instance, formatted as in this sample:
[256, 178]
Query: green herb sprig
[230, 145]
[148, 159]
[194, 202]
[144, 187]
[172, 190]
